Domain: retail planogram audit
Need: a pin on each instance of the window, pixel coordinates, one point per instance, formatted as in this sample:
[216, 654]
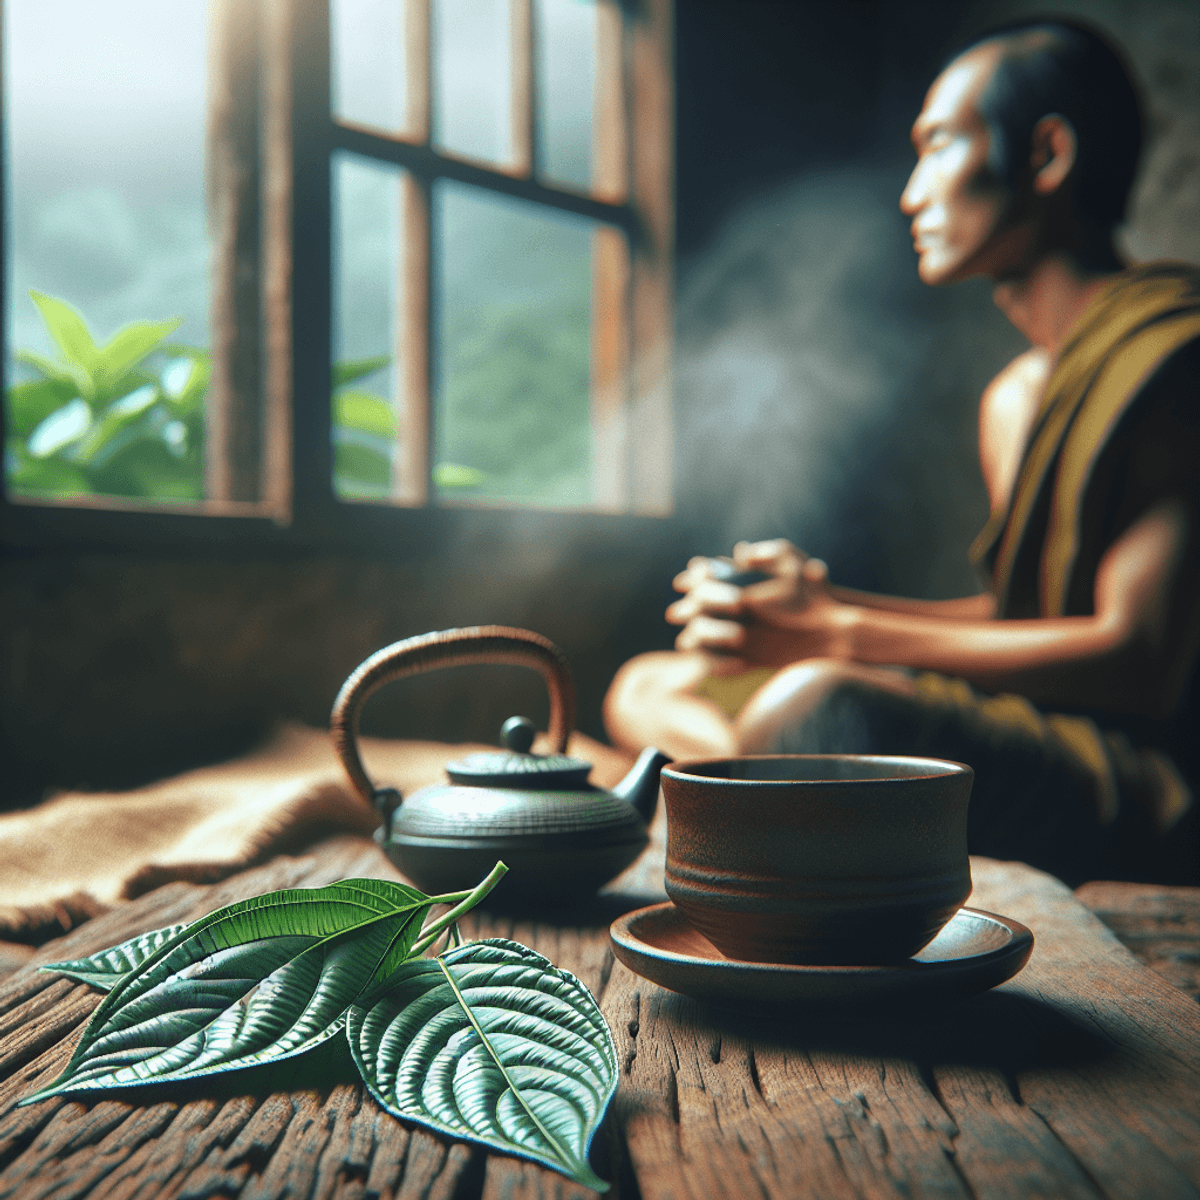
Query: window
[105, 208]
[440, 245]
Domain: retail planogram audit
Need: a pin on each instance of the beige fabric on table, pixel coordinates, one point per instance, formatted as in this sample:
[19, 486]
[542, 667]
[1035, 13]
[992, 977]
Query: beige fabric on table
[80, 853]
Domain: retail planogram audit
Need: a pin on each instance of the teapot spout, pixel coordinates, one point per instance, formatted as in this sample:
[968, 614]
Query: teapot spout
[640, 786]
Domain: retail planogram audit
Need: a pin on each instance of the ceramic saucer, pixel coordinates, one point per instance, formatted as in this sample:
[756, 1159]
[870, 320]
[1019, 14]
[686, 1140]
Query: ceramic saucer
[976, 950]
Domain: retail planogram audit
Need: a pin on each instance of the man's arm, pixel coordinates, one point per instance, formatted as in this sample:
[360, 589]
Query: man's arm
[1131, 655]
[781, 558]
[981, 607]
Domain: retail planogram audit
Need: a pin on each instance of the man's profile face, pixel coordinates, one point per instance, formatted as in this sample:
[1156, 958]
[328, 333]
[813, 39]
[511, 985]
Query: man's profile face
[957, 205]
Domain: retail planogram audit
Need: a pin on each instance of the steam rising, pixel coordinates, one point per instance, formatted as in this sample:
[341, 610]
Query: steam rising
[826, 395]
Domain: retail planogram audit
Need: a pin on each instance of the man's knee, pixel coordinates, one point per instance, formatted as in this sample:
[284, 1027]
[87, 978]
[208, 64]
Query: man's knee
[645, 682]
[651, 703]
[658, 673]
[825, 706]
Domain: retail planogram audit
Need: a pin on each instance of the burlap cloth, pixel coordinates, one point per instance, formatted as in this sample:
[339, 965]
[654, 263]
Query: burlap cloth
[78, 854]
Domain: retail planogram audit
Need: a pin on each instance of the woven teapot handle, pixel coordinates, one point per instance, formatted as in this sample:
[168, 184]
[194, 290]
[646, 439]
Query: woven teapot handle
[450, 648]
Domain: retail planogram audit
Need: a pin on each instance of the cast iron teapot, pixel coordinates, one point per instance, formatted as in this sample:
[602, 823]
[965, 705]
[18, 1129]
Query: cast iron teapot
[559, 835]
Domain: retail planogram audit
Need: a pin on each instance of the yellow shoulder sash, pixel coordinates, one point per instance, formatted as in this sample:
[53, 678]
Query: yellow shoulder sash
[1129, 329]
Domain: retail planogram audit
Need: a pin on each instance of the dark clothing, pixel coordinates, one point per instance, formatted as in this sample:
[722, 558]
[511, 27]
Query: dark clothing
[1051, 790]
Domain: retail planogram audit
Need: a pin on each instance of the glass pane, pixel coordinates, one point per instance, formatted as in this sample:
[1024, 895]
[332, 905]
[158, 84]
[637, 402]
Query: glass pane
[107, 303]
[368, 62]
[366, 252]
[512, 416]
[471, 111]
[566, 37]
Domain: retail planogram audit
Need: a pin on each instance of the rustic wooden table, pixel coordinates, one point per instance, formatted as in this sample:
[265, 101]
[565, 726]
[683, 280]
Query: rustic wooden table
[1078, 1078]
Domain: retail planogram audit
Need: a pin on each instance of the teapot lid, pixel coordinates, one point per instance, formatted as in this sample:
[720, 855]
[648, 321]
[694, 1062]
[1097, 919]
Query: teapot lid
[518, 768]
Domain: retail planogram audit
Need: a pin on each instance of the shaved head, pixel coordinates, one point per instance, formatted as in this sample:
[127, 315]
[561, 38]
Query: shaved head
[1066, 69]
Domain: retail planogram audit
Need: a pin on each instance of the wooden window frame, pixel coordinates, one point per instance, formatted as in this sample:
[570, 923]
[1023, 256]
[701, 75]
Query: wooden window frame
[272, 140]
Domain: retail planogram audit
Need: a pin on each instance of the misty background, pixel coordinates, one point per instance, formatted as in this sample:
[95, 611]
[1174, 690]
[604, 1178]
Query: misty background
[106, 115]
[511, 280]
[104, 130]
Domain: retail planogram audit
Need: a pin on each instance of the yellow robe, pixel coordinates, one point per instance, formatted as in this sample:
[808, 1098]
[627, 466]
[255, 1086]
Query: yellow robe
[1044, 549]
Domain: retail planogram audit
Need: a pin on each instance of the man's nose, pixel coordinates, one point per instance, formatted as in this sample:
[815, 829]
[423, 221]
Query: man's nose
[912, 198]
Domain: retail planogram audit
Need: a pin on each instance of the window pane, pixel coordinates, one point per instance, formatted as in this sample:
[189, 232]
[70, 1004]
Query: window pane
[566, 36]
[512, 416]
[104, 108]
[365, 273]
[471, 114]
[368, 62]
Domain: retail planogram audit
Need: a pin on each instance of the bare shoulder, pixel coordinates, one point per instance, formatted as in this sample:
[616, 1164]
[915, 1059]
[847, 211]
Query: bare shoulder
[1034, 363]
[1006, 414]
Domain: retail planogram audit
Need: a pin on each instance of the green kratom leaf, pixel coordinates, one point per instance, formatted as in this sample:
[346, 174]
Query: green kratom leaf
[64, 427]
[348, 372]
[493, 1043]
[127, 348]
[68, 329]
[105, 970]
[361, 470]
[112, 430]
[186, 388]
[29, 404]
[44, 476]
[455, 475]
[70, 375]
[252, 983]
[364, 412]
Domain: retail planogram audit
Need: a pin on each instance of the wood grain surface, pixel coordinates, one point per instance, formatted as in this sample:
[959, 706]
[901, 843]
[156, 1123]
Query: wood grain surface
[1079, 1078]
[1161, 925]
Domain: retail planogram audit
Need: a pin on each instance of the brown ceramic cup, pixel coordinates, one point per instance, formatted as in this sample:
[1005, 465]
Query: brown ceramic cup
[818, 858]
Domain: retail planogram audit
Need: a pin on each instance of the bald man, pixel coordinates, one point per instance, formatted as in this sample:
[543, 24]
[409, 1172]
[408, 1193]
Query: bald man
[1069, 684]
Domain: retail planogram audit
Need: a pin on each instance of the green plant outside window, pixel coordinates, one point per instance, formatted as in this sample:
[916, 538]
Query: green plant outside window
[126, 418]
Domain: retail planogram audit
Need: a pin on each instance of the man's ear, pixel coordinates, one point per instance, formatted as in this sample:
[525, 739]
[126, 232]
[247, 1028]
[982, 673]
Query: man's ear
[1053, 153]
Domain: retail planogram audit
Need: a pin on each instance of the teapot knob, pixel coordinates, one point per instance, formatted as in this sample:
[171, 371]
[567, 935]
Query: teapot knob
[517, 734]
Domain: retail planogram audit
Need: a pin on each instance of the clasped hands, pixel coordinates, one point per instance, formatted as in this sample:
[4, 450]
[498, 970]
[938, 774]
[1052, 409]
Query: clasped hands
[790, 616]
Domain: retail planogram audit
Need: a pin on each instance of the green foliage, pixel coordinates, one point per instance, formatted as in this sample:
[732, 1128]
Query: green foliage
[122, 419]
[365, 413]
[128, 418]
[488, 1041]
[254, 982]
[351, 372]
[455, 475]
[364, 434]
[365, 437]
[104, 970]
[491, 1042]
